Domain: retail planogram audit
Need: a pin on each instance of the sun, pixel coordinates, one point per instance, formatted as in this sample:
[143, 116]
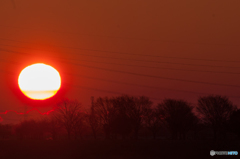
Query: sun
[39, 81]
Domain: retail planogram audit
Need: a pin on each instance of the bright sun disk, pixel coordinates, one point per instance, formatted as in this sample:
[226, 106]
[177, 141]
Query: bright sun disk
[39, 81]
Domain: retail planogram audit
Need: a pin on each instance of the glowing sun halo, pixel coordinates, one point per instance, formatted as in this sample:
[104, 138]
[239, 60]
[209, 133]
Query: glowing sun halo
[39, 81]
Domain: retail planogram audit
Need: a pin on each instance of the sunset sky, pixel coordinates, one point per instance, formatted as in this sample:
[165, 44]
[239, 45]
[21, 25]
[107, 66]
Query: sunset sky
[160, 49]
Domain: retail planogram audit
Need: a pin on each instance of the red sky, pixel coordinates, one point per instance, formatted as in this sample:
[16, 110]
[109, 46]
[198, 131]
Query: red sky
[105, 47]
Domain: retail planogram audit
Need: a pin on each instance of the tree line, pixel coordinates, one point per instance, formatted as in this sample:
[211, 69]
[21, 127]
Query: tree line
[129, 116]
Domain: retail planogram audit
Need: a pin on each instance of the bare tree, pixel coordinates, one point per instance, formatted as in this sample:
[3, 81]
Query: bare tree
[80, 124]
[122, 114]
[105, 110]
[137, 111]
[94, 120]
[215, 111]
[68, 113]
[121, 122]
[178, 117]
[153, 121]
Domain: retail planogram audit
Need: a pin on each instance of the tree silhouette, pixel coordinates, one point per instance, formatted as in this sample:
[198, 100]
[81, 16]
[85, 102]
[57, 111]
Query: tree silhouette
[105, 110]
[121, 122]
[130, 112]
[215, 111]
[178, 117]
[80, 125]
[153, 121]
[68, 113]
[234, 122]
[94, 120]
[122, 114]
[137, 111]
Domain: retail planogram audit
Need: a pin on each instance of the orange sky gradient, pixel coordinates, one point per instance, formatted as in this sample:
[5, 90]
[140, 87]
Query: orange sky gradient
[160, 49]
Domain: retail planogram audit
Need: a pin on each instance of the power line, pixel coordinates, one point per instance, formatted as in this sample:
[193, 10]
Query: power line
[159, 77]
[164, 68]
[111, 92]
[138, 85]
[134, 54]
[119, 93]
[150, 61]
[146, 86]
[153, 76]
[118, 82]
[131, 84]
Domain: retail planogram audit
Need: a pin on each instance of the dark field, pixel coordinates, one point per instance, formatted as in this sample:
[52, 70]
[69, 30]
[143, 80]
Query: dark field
[118, 149]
